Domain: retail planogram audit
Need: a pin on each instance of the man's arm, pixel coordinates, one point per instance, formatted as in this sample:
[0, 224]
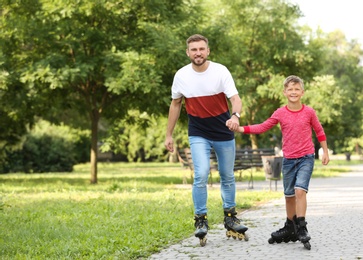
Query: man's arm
[233, 122]
[174, 113]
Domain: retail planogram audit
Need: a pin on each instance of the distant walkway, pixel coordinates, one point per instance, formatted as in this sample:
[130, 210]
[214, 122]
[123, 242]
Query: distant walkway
[334, 216]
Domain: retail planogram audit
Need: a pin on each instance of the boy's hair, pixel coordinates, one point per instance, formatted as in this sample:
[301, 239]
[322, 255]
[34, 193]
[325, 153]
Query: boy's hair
[294, 79]
[196, 38]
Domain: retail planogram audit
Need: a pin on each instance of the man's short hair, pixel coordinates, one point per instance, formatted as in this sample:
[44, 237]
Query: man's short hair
[196, 38]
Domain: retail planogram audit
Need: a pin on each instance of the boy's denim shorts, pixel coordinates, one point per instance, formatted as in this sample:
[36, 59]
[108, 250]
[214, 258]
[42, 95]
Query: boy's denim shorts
[297, 173]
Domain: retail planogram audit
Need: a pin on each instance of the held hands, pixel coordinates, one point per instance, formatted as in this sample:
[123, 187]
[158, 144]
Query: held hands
[233, 124]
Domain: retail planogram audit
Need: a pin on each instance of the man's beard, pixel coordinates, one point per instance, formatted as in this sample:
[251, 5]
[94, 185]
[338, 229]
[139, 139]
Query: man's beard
[198, 64]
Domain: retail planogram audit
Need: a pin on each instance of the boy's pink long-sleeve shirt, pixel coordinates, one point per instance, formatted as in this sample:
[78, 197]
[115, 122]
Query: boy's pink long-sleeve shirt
[296, 128]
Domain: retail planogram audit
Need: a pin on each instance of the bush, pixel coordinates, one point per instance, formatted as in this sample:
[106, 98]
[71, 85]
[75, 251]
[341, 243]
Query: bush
[48, 154]
[48, 148]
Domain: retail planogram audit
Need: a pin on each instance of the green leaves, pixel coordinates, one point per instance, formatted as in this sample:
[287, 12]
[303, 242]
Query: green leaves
[137, 73]
[92, 58]
[73, 61]
[325, 97]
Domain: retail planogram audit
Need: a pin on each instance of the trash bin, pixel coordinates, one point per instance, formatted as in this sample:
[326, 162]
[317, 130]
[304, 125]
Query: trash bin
[272, 166]
[347, 156]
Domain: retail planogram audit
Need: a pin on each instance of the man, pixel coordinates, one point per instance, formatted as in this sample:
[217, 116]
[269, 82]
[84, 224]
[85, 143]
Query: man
[204, 85]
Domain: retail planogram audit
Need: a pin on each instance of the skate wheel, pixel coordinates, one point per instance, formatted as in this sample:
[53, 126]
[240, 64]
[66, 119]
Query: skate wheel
[246, 237]
[271, 240]
[307, 245]
[203, 241]
[241, 237]
[228, 234]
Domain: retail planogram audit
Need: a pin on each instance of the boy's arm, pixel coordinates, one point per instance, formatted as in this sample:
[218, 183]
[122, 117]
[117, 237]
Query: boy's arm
[254, 129]
[240, 129]
[320, 135]
[325, 158]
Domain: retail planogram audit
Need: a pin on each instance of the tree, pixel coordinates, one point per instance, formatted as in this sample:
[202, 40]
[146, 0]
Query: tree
[259, 43]
[95, 58]
[342, 60]
[15, 112]
[334, 92]
[143, 139]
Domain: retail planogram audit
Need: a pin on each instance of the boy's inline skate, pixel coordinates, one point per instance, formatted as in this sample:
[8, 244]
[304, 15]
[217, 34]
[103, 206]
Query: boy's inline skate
[201, 225]
[287, 233]
[303, 234]
[233, 225]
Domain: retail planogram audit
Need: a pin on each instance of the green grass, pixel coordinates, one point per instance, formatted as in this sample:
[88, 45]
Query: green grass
[134, 210]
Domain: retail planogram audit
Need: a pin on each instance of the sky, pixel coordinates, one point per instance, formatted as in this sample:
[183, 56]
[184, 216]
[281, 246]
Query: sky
[345, 15]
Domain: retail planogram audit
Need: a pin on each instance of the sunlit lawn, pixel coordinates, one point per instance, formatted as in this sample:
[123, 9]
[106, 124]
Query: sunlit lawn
[134, 210]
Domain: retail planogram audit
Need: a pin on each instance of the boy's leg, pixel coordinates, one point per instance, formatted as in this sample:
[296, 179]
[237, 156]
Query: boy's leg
[301, 203]
[290, 207]
[289, 176]
[305, 169]
[288, 231]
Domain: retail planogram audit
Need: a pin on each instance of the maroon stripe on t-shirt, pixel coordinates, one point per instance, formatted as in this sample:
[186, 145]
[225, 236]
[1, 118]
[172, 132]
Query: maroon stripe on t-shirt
[206, 106]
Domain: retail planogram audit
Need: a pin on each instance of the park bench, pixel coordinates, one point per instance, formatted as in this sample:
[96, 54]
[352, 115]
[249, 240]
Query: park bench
[246, 159]
[249, 159]
[185, 158]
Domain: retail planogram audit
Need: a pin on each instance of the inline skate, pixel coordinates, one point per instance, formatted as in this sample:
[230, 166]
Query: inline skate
[201, 225]
[303, 234]
[233, 225]
[287, 233]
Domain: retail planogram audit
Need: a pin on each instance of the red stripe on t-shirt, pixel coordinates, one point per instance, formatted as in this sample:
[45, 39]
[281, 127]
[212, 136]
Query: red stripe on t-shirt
[206, 106]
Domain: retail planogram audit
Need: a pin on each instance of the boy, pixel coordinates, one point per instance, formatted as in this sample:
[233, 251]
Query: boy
[296, 122]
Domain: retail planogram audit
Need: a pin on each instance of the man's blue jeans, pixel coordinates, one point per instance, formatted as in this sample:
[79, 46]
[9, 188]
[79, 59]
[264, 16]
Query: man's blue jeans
[225, 152]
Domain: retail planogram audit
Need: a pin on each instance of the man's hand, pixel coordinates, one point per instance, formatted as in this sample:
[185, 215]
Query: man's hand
[233, 123]
[169, 144]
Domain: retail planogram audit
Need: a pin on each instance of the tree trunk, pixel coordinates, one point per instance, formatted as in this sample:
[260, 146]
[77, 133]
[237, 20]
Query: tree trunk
[173, 157]
[316, 148]
[254, 142]
[94, 146]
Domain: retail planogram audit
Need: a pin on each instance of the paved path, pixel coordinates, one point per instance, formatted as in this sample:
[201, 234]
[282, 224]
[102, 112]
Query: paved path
[334, 216]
